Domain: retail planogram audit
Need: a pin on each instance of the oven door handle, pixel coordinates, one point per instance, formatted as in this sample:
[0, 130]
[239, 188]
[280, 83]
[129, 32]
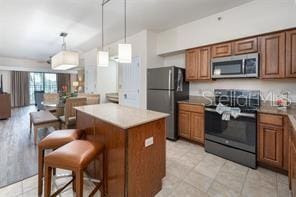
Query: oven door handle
[240, 114]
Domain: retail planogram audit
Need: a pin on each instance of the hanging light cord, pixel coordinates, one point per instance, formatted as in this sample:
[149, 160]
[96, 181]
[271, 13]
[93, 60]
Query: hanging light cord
[104, 2]
[103, 25]
[63, 35]
[125, 21]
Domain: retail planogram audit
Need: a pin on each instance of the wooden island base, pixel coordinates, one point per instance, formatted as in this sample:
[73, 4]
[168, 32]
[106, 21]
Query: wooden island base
[133, 170]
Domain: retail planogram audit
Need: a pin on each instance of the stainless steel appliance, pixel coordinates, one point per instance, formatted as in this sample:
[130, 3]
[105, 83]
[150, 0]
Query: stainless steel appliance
[234, 139]
[240, 66]
[165, 87]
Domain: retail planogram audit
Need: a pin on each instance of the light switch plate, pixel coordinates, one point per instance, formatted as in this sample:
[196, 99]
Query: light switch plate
[149, 141]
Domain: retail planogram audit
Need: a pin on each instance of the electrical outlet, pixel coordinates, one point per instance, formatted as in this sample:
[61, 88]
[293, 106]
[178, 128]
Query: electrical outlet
[149, 141]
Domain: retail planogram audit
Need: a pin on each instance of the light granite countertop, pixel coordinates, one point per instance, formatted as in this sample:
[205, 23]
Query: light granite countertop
[121, 116]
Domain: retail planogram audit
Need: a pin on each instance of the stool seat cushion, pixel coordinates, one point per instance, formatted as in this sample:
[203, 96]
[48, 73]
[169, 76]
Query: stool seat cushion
[59, 138]
[74, 155]
[42, 117]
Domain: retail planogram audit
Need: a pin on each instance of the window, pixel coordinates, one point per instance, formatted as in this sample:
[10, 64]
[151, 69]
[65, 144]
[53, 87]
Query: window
[46, 82]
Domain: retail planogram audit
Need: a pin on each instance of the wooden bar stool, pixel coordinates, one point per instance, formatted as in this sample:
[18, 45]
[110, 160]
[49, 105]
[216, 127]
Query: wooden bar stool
[74, 156]
[53, 141]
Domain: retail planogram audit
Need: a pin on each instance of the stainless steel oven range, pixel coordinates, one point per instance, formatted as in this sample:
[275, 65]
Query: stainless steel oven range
[233, 139]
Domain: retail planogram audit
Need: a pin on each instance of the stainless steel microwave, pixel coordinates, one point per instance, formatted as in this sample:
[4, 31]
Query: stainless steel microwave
[240, 66]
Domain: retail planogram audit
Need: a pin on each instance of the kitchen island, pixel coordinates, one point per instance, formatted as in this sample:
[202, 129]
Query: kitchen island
[135, 147]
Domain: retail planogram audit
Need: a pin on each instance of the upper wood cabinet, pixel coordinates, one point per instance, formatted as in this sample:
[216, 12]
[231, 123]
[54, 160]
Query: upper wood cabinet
[221, 50]
[198, 64]
[249, 45]
[272, 49]
[291, 53]
[277, 55]
[204, 63]
[191, 64]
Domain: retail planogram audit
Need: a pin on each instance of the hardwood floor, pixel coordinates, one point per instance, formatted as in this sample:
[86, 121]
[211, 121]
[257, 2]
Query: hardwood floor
[18, 154]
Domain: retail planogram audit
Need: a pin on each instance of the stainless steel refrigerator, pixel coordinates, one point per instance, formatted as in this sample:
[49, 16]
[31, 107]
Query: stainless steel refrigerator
[165, 87]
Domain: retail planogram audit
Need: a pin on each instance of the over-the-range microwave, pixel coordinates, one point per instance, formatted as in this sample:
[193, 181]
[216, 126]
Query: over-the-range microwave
[239, 66]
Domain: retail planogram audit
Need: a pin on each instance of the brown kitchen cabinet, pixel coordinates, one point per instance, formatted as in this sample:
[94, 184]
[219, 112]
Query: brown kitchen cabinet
[292, 165]
[204, 63]
[184, 124]
[191, 64]
[273, 140]
[273, 55]
[222, 50]
[291, 53]
[198, 64]
[197, 127]
[191, 122]
[249, 45]
[271, 143]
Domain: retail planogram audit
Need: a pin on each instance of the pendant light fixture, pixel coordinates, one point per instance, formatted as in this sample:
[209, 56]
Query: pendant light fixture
[65, 60]
[103, 56]
[125, 50]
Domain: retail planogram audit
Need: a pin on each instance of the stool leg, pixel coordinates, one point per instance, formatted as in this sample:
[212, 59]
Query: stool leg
[35, 134]
[30, 124]
[40, 170]
[79, 182]
[74, 182]
[47, 183]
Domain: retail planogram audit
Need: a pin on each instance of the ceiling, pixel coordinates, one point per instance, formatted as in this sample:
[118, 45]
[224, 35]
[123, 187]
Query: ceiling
[30, 28]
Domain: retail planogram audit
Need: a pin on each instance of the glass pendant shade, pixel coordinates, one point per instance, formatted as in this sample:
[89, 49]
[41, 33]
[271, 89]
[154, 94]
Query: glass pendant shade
[65, 60]
[103, 58]
[125, 53]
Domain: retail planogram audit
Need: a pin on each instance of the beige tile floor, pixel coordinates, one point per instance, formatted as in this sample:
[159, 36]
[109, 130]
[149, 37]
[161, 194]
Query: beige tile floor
[191, 172]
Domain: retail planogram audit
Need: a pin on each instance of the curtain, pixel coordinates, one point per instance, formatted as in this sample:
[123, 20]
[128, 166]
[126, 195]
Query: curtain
[20, 95]
[64, 82]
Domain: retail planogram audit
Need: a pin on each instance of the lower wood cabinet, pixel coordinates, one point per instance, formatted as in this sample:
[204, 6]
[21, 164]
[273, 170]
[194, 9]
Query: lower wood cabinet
[184, 124]
[191, 122]
[271, 145]
[273, 140]
[292, 170]
[197, 127]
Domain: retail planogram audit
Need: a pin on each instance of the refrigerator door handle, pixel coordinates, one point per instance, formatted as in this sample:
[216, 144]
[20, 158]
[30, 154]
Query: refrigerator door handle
[180, 81]
[170, 82]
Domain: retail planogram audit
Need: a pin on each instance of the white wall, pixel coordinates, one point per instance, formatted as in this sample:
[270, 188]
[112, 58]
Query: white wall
[256, 17]
[107, 80]
[144, 47]
[6, 80]
[153, 60]
[175, 60]
[139, 49]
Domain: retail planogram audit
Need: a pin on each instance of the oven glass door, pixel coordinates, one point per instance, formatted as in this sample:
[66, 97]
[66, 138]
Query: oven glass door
[251, 66]
[239, 133]
[232, 68]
